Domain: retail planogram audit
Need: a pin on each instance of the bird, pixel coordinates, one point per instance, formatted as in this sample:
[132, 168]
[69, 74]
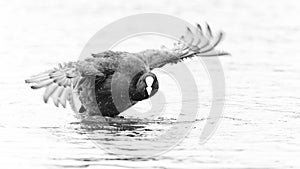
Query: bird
[122, 77]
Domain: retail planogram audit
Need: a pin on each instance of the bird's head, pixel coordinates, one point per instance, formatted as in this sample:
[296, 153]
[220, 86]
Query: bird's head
[145, 85]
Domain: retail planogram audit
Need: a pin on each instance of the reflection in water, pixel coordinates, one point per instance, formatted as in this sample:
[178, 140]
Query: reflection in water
[116, 132]
[125, 137]
[119, 124]
[131, 127]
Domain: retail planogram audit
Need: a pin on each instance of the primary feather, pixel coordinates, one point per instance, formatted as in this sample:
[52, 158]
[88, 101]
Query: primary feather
[60, 81]
[197, 43]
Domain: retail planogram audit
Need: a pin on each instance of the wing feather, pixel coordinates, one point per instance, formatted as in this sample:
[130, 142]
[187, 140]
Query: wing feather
[192, 44]
[57, 94]
[49, 91]
[61, 81]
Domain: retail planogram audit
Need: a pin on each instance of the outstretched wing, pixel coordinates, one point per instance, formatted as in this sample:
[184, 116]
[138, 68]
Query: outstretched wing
[60, 81]
[197, 43]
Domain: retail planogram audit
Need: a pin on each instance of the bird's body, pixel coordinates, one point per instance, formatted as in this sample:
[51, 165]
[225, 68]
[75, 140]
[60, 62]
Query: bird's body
[120, 77]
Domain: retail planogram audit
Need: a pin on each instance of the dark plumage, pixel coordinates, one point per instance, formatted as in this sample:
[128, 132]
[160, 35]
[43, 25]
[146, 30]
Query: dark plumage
[128, 74]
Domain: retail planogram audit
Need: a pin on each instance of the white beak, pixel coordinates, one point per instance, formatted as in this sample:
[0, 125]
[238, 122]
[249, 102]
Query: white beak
[149, 89]
[149, 82]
